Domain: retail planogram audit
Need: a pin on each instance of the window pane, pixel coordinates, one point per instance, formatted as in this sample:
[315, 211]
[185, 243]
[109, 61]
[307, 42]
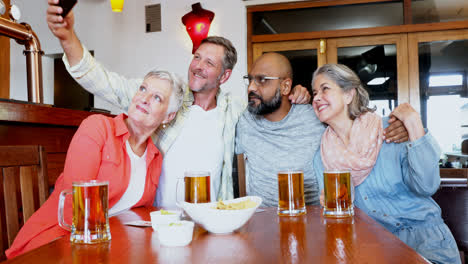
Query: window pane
[444, 95]
[304, 63]
[430, 11]
[376, 67]
[328, 18]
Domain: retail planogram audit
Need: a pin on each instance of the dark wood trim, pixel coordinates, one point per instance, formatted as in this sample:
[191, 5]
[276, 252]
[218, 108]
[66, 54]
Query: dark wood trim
[310, 4]
[407, 14]
[54, 138]
[362, 31]
[41, 114]
[241, 175]
[19, 156]
[43, 177]
[10, 181]
[55, 165]
[453, 173]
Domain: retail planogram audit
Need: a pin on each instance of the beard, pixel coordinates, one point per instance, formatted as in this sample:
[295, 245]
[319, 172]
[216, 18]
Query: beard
[264, 107]
[213, 84]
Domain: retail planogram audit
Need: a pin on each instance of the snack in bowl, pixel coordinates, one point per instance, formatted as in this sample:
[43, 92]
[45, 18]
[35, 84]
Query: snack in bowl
[175, 234]
[246, 204]
[164, 217]
[223, 221]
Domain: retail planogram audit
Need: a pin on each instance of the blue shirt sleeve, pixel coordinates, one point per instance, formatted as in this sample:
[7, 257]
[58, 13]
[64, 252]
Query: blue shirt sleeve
[420, 163]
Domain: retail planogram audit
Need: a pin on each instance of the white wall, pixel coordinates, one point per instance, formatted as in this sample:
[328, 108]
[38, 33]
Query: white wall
[119, 40]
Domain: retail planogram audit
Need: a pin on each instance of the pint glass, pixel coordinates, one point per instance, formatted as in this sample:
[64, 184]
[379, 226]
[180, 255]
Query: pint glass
[339, 194]
[197, 186]
[90, 223]
[291, 199]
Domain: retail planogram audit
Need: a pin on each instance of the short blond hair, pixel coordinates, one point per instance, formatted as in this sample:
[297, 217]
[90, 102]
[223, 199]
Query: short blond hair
[178, 88]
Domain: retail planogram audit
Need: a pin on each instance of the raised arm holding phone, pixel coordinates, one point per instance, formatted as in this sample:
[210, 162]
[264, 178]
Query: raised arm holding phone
[62, 27]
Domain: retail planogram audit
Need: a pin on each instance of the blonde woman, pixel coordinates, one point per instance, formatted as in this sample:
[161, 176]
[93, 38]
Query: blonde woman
[118, 150]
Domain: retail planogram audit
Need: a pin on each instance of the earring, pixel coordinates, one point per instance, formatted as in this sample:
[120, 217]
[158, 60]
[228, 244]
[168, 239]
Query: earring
[164, 125]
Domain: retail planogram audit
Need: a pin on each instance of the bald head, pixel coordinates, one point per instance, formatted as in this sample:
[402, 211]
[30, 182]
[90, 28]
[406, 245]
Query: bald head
[274, 64]
[270, 81]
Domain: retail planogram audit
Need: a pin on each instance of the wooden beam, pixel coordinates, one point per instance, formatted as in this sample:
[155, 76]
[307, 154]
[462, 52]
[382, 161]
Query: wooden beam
[310, 4]
[407, 14]
[362, 31]
[19, 156]
[41, 114]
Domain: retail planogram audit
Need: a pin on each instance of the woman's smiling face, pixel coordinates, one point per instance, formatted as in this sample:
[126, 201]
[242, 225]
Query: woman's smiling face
[330, 102]
[150, 103]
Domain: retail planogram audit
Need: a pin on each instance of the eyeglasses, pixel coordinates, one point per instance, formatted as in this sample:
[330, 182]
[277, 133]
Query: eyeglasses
[259, 79]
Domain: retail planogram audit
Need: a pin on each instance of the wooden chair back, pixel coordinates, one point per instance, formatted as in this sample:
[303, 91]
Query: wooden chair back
[23, 188]
[241, 175]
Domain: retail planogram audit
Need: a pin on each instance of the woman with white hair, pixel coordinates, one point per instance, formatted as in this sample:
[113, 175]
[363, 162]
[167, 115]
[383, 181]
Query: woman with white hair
[119, 150]
[393, 182]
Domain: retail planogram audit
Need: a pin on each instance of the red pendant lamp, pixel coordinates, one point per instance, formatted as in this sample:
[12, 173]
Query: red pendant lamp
[197, 22]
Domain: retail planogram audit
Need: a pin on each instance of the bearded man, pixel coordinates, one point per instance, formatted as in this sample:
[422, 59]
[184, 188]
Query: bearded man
[275, 135]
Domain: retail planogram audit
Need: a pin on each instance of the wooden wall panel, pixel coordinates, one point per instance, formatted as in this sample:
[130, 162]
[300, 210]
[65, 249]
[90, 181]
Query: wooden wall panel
[55, 164]
[32, 124]
[53, 138]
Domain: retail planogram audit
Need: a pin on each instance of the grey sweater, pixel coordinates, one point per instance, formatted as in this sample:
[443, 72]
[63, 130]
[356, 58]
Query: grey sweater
[269, 147]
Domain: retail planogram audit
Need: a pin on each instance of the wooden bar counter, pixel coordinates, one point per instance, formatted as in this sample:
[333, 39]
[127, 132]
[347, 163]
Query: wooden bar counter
[265, 238]
[24, 123]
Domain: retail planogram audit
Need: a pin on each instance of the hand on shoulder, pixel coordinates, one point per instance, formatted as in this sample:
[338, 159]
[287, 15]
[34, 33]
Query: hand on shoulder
[410, 119]
[299, 95]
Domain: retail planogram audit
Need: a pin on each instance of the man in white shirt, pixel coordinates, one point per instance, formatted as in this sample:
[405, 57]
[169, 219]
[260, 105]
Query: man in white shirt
[207, 146]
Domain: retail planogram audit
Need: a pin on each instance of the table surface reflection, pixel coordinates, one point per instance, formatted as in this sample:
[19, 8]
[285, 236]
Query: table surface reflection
[266, 238]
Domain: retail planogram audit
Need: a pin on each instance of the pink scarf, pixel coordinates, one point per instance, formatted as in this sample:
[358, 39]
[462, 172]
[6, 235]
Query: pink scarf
[359, 157]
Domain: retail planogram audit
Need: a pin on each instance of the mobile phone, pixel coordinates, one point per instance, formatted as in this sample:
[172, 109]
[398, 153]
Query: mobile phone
[66, 6]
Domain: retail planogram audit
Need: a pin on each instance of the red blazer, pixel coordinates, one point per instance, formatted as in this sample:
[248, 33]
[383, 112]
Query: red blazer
[97, 151]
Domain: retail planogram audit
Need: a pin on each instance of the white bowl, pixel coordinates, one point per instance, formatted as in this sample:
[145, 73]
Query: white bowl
[175, 234]
[220, 221]
[157, 218]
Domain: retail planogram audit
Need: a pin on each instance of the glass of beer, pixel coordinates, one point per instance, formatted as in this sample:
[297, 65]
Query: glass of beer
[339, 194]
[197, 186]
[291, 201]
[90, 222]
